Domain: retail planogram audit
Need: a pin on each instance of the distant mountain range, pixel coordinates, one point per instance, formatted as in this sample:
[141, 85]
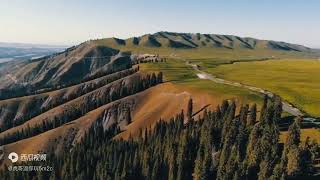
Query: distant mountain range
[19, 51]
[169, 40]
[197, 40]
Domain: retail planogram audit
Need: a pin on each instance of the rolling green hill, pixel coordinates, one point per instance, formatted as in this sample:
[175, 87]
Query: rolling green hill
[191, 41]
[208, 46]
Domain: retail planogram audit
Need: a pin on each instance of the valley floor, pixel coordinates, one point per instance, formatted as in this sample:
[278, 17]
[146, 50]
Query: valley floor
[297, 81]
[272, 75]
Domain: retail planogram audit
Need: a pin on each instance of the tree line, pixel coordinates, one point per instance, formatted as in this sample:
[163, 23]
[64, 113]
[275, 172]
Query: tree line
[149, 59]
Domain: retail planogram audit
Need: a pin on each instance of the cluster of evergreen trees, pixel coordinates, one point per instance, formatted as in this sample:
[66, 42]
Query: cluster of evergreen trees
[71, 113]
[219, 145]
[155, 59]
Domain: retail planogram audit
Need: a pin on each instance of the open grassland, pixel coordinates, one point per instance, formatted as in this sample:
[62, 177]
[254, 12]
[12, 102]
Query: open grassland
[184, 77]
[173, 70]
[297, 81]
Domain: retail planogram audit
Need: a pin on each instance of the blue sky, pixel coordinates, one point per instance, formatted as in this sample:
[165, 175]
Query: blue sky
[73, 21]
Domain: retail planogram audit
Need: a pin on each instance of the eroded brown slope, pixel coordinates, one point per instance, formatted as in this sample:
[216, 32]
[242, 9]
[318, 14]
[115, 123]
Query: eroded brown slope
[64, 137]
[147, 107]
[18, 110]
[166, 100]
[83, 104]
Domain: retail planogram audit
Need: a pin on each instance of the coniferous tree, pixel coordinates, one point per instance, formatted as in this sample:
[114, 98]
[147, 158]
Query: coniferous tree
[160, 77]
[253, 115]
[263, 111]
[306, 158]
[128, 116]
[190, 109]
[224, 107]
[292, 149]
[197, 172]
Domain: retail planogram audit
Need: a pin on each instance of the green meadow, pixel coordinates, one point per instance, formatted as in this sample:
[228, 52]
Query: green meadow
[184, 76]
[297, 81]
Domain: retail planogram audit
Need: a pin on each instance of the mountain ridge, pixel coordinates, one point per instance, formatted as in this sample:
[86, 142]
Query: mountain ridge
[198, 40]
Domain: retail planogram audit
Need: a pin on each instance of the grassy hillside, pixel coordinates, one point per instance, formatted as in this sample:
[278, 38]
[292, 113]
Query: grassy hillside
[193, 41]
[207, 46]
[207, 52]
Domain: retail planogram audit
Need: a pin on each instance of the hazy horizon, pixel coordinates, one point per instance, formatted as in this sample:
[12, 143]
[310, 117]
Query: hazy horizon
[72, 22]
